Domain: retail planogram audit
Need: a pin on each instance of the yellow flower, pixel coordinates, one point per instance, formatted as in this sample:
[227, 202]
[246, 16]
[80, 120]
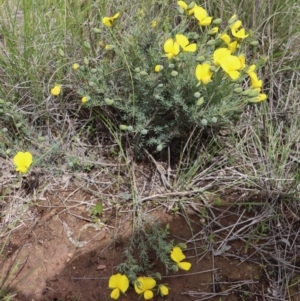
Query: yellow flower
[184, 43]
[203, 73]
[153, 23]
[242, 61]
[219, 54]
[251, 69]
[85, 99]
[183, 5]
[158, 68]
[202, 16]
[22, 161]
[75, 66]
[171, 48]
[259, 98]
[232, 46]
[108, 21]
[178, 256]
[255, 82]
[231, 64]
[144, 285]
[118, 283]
[236, 32]
[56, 90]
[109, 47]
[163, 290]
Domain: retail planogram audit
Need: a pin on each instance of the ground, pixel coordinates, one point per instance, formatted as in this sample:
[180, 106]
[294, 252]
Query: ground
[54, 249]
[62, 256]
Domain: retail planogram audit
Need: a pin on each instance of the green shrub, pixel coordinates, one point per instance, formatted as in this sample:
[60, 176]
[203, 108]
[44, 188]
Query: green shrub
[156, 83]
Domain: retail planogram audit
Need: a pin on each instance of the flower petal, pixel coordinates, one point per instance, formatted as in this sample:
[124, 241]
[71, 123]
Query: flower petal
[123, 283]
[168, 46]
[177, 254]
[115, 294]
[184, 265]
[164, 290]
[190, 48]
[182, 40]
[182, 4]
[148, 294]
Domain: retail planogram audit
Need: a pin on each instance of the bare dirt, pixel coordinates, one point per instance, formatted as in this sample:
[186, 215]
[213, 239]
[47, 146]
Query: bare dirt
[62, 256]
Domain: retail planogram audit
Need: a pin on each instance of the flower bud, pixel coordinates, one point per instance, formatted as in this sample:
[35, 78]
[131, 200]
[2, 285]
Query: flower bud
[158, 68]
[254, 43]
[144, 132]
[86, 45]
[212, 69]
[232, 19]
[108, 101]
[246, 92]
[41, 138]
[211, 42]
[143, 73]
[159, 147]
[18, 125]
[160, 85]
[253, 93]
[191, 5]
[123, 127]
[2, 101]
[213, 31]
[204, 122]
[137, 70]
[182, 246]
[200, 58]
[94, 70]
[214, 120]
[175, 268]
[110, 47]
[96, 30]
[217, 21]
[61, 52]
[180, 10]
[130, 128]
[1, 111]
[135, 268]
[4, 130]
[131, 277]
[200, 101]
[174, 73]
[197, 95]
[238, 90]
[86, 61]
[91, 84]
[171, 66]
[158, 276]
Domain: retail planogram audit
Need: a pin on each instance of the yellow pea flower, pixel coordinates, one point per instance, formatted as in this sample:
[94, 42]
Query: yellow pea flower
[118, 283]
[108, 21]
[219, 54]
[232, 46]
[236, 32]
[22, 161]
[259, 98]
[85, 99]
[158, 68]
[171, 48]
[75, 66]
[178, 256]
[255, 82]
[183, 5]
[242, 61]
[202, 16]
[251, 69]
[231, 64]
[203, 73]
[184, 43]
[144, 285]
[56, 90]
[153, 23]
[163, 290]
